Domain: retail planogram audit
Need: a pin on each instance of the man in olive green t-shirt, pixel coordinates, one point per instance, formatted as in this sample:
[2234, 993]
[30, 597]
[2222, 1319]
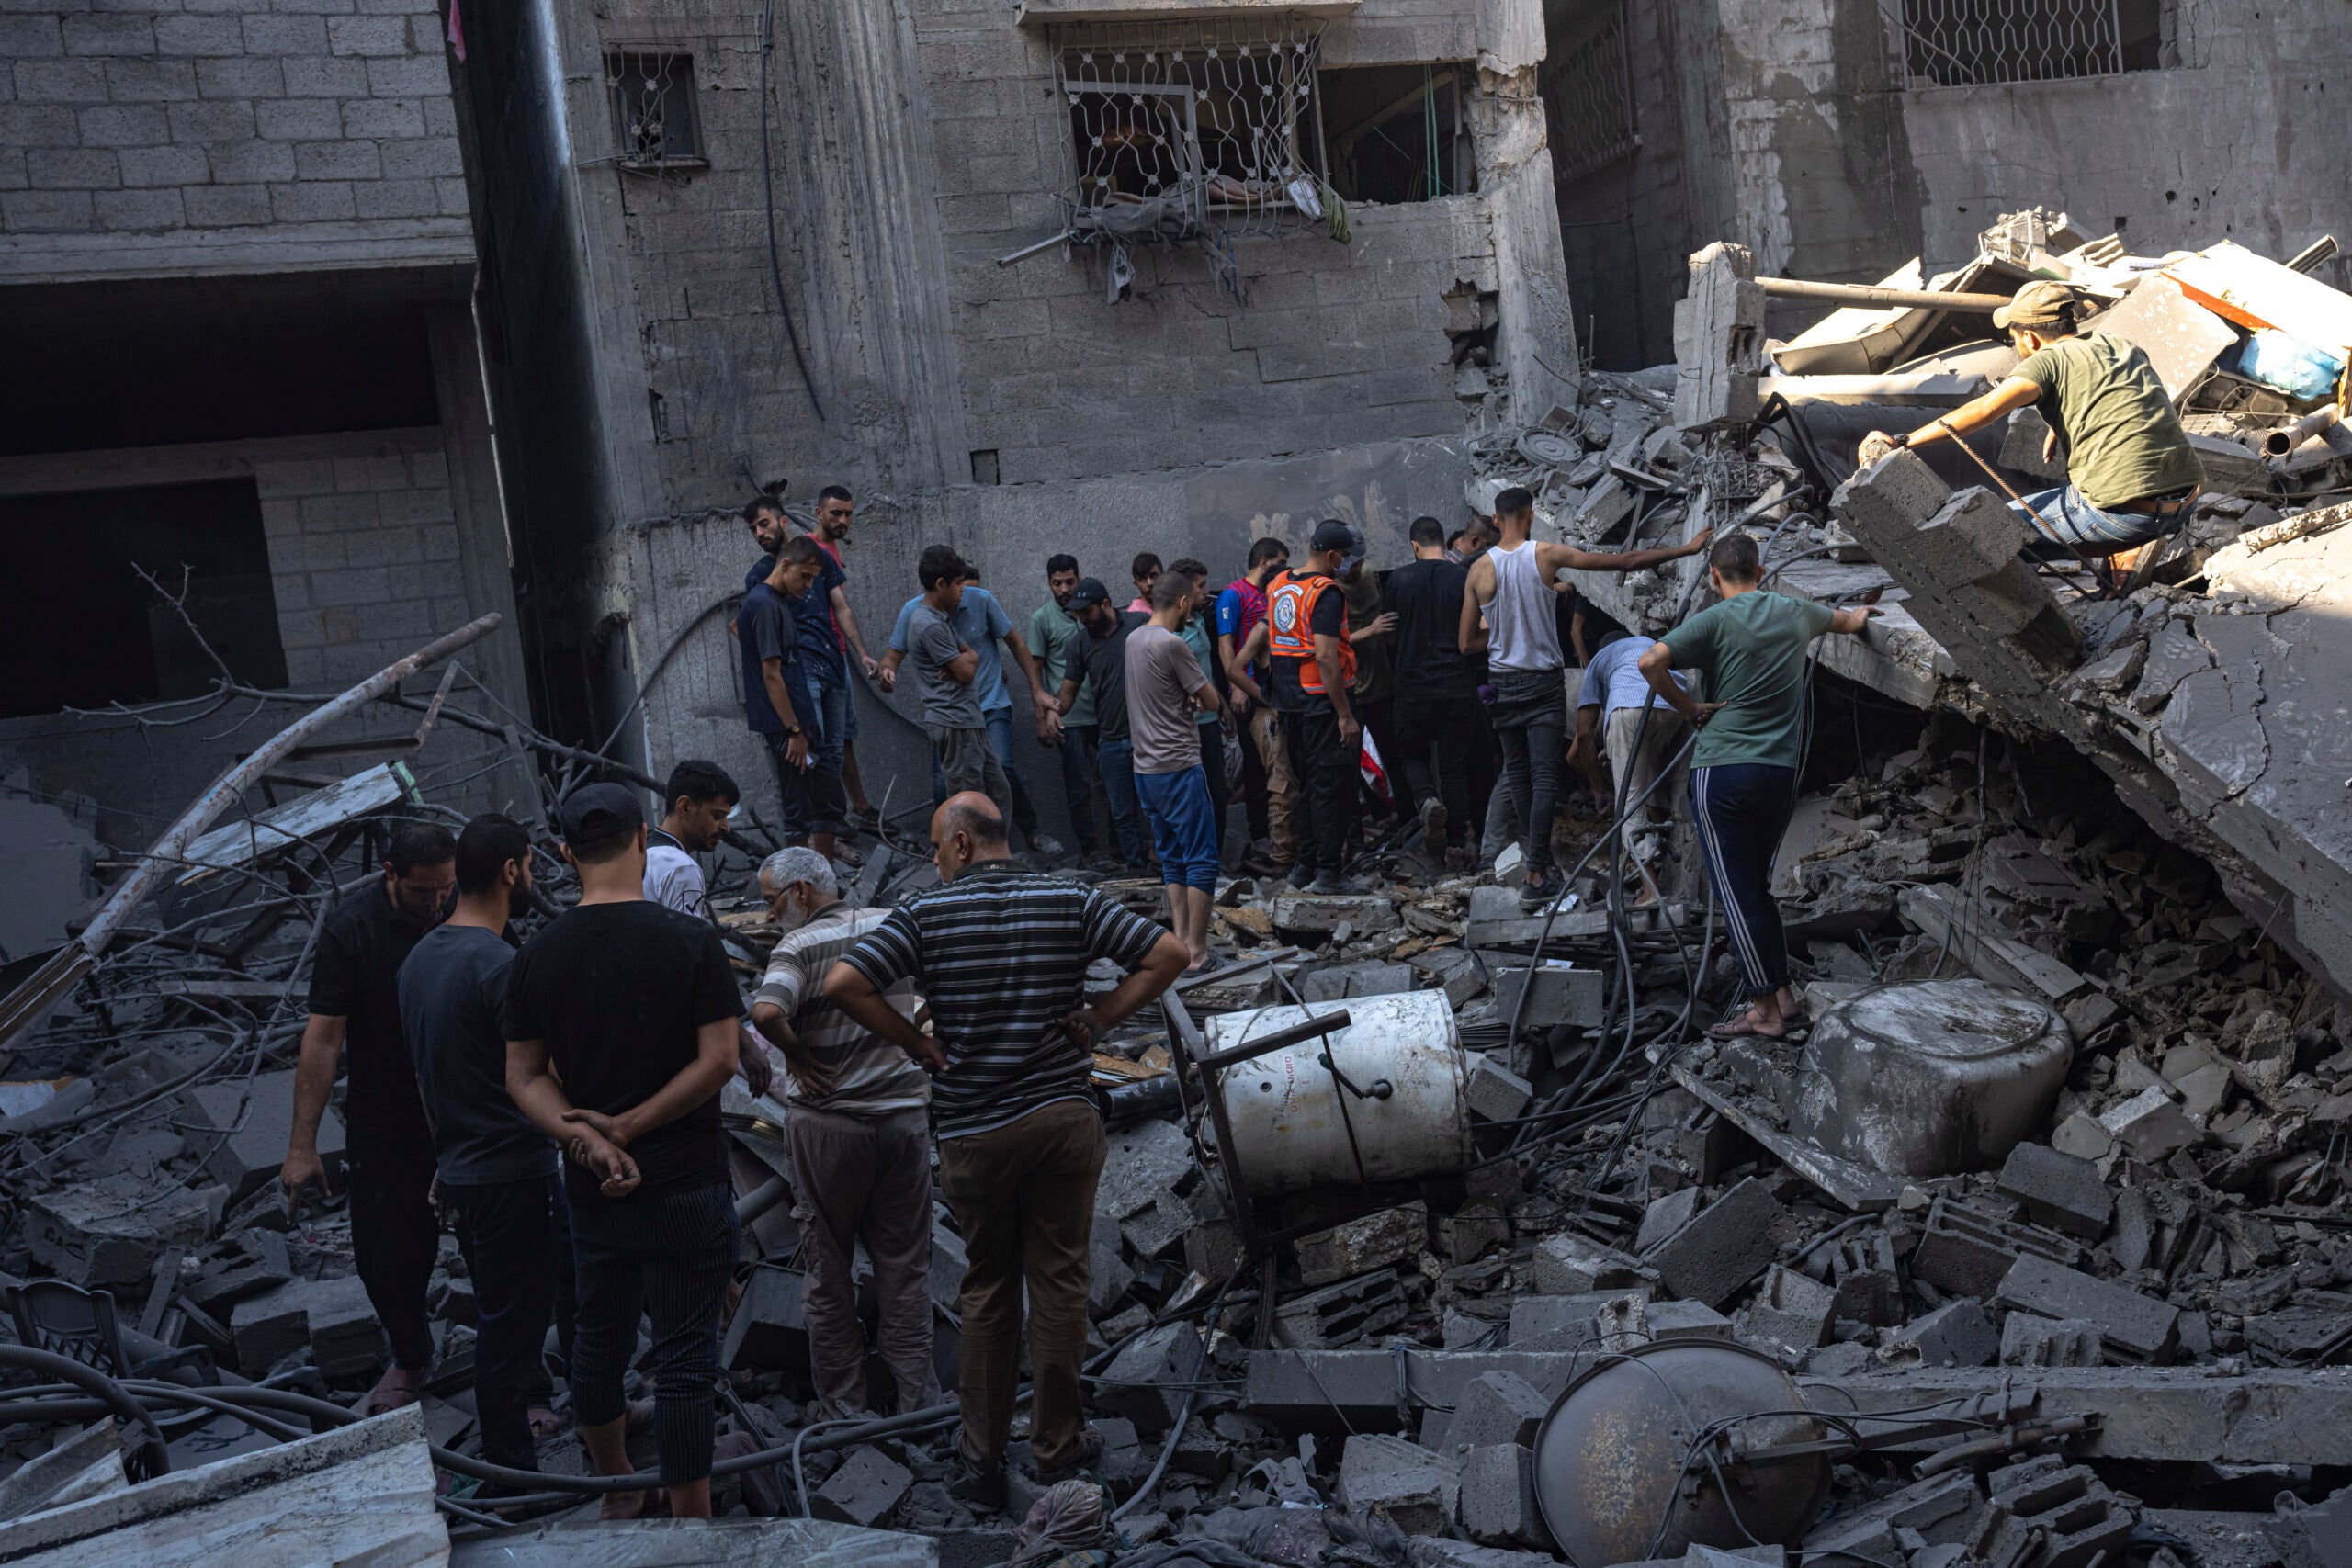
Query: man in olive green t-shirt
[1056, 637]
[2130, 471]
[1751, 648]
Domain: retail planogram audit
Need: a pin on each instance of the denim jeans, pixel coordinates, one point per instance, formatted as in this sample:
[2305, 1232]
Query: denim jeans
[2068, 525]
[1024, 810]
[838, 715]
[1117, 759]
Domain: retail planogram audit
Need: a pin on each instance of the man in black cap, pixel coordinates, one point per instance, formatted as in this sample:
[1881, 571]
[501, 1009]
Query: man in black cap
[498, 1172]
[636, 1010]
[356, 1006]
[1099, 667]
[2130, 472]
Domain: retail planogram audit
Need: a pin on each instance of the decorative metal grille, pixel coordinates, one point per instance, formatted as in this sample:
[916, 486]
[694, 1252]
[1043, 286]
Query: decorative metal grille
[1592, 96]
[1187, 131]
[653, 106]
[1952, 44]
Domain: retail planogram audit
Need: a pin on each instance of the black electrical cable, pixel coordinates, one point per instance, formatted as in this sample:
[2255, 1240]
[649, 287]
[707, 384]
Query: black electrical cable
[767, 191]
[152, 1458]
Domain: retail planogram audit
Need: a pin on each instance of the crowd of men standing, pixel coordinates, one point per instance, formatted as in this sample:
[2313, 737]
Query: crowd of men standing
[559, 1098]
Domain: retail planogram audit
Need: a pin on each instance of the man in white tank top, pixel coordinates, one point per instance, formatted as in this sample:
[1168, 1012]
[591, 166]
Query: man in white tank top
[1509, 611]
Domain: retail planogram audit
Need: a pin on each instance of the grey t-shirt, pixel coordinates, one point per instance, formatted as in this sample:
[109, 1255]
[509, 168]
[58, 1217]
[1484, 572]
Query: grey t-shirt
[932, 642]
[1161, 672]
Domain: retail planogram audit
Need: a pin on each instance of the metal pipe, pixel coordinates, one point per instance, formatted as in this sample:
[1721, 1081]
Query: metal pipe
[2311, 255]
[761, 1199]
[1251, 1050]
[163, 858]
[1861, 294]
[2280, 443]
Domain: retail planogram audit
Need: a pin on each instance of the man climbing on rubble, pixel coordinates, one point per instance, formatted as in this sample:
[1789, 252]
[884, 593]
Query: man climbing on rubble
[388, 1146]
[1610, 722]
[1510, 611]
[621, 1023]
[1268, 788]
[700, 798]
[498, 1172]
[1165, 688]
[2130, 472]
[1001, 956]
[1751, 649]
[1099, 669]
[857, 1129]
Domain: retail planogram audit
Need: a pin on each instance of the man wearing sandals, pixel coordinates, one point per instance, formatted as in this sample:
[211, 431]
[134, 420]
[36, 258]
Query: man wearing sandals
[1751, 648]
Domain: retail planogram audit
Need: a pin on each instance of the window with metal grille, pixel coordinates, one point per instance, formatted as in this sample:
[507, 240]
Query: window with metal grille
[653, 107]
[1182, 129]
[1589, 94]
[1955, 43]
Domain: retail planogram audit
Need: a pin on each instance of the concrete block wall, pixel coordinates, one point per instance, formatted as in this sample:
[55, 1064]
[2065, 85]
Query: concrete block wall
[130, 116]
[364, 553]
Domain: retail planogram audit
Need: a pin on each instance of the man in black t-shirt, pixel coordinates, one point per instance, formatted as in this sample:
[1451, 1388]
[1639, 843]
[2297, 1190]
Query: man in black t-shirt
[1099, 662]
[498, 1174]
[635, 1009]
[1437, 700]
[355, 1008]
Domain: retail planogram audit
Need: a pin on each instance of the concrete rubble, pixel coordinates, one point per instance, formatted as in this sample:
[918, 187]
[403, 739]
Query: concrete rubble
[2053, 1194]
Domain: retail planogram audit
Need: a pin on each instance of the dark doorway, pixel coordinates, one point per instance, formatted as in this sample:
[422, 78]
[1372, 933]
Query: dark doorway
[1393, 133]
[79, 629]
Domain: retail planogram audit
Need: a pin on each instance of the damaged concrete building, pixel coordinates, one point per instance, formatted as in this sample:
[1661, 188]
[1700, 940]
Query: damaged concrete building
[1243, 360]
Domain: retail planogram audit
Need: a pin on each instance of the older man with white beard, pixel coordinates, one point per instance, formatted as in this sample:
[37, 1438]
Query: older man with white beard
[858, 1127]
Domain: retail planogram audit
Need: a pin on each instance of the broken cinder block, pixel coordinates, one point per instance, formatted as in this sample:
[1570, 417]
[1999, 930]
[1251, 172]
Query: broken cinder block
[2028, 1340]
[1497, 1497]
[1391, 1235]
[1497, 1407]
[1955, 1335]
[1723, 1247]
[1414, 1488]
[2060, 1190]
[115, 1230]
[2134, 1327]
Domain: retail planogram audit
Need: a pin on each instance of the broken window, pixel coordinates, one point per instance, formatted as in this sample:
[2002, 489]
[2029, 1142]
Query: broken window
[80, 628]
[653, 107]
[1589, 97]
[1953, 43]
[1181, 131]
[1396, 132]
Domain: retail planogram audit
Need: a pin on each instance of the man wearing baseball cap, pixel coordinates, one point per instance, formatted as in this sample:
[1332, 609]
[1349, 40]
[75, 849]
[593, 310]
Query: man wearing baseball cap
[634, 1008]
[2130, 472]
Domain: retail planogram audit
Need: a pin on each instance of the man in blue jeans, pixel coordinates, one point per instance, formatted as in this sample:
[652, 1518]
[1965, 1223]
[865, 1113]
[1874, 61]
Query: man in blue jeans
[1166, 688]
[2130, 472]
[1752, 648]
[1100, 665]
[620, 1024]
[982, 623]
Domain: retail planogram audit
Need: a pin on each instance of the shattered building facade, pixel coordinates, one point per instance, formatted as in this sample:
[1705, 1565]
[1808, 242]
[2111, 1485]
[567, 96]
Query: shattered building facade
[1836, 138]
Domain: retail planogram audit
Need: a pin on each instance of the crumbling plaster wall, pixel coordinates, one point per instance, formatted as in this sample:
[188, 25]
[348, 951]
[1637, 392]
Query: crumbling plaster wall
[1784, 125]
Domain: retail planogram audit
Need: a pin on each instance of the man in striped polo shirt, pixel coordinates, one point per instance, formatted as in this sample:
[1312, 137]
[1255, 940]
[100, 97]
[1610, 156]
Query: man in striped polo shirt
[858, 1133]
[1001, 955]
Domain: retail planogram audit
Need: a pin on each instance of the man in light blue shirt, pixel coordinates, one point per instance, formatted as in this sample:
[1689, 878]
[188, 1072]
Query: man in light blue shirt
[982, 622]
[1609, 712]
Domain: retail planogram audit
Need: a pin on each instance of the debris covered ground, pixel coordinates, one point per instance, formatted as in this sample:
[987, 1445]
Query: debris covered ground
[2033, 1251]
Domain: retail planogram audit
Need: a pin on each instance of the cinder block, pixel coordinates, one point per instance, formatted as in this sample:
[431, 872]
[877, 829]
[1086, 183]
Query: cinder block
[115, 1230]
[424, 157]
[368, 34]
[1569, 1265]
[298, 120]
[312, 201]
[184, 34]
[149, 167]
[1723, 1247]
[1498, 1499]
[60, 81]
[1966, 1251]
[1414, 1488]
[128, 210]
[1391, 1235]
[390, 118]
[1954, 1335]
[1566, 1321]
[1971, 536]
[240, 77]
[1665, 1216]
[2028, 1340]
[865, 1488]
[120, 125]
[226, 207]
[2134, 1327]
[72, 168]
[321, 76]
[2058, 1190]
[150, 81]
[211, 119]
[1884, 504]
[2150, 1124]
[247, 162]
[408, 76]
[1791, 1312]
[279, 34]
[107, 33]
[2060, 1512]
[1685, 1320]
[1496, 1093]
[1497, 1407]
[250, 1124]
[1145, 1381]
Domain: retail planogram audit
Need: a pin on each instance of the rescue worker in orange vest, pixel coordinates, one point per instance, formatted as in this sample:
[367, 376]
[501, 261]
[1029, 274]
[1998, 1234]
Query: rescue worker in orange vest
[1305, 630]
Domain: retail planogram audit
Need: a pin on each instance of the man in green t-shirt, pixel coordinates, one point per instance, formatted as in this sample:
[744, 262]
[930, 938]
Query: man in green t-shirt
[2130, 472]
[1056, 637]
[1752, 650]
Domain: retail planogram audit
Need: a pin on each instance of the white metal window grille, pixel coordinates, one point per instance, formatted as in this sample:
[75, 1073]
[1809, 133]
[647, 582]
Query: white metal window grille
[1952, 44]
[1188, 131]
[653, 106]
[1591, 95]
